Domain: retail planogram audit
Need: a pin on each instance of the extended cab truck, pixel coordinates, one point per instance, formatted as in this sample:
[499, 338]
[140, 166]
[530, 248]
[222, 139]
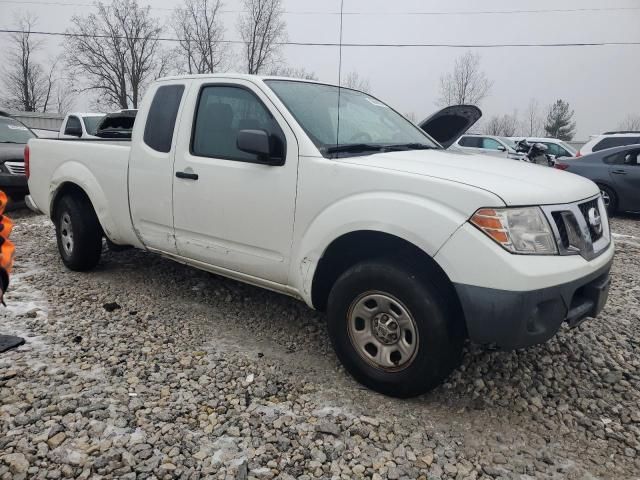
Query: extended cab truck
[409, 248]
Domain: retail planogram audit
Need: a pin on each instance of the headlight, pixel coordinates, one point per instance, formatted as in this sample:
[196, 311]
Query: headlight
[518, 230]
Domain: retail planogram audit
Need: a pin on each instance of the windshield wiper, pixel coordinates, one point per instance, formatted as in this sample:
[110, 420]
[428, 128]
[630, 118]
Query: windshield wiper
[410, 146]
[355, 148]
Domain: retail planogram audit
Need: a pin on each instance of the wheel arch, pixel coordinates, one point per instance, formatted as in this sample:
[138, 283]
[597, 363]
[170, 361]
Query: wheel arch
[76, 179]
[357, 246]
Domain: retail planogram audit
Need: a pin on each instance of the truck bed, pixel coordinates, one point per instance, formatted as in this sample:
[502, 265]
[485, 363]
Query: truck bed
[99, 166]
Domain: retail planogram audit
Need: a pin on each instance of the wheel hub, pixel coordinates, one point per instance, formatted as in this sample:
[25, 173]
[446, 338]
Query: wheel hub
[66, 234]
[385, 329]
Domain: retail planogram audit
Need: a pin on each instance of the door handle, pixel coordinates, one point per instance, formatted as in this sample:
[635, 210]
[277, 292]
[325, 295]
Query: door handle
[187, 175]
[619, 172]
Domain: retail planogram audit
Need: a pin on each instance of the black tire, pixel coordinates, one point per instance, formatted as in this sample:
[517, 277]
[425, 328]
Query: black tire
[612, 205]
[440, 327]
[78, 233]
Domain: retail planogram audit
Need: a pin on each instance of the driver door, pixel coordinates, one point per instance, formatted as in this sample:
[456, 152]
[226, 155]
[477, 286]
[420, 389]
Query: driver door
[625, 173]
[231, 211]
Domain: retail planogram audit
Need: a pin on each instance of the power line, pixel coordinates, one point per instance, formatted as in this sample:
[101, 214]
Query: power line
[335, 13]
[333, 44]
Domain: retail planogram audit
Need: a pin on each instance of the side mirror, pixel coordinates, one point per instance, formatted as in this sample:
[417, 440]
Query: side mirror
[502, 149]
[256, 142]
[73, 131]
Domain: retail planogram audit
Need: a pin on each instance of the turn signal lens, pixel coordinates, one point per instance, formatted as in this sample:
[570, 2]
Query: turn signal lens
[518, 230]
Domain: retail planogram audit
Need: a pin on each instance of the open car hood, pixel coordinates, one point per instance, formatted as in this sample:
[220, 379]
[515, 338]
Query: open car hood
[447, 125]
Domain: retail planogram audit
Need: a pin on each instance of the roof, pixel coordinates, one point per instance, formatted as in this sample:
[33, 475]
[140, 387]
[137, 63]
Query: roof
[242, 76]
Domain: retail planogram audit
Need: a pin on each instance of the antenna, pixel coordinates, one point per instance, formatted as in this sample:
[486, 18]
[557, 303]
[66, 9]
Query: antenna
[339, 73]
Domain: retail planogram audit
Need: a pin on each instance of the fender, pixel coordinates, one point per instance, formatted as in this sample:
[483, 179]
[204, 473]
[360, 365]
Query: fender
[76, 173]
[388, 212]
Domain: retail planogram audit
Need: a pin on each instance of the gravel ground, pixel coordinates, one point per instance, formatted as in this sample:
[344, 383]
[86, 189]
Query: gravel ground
[148, 369]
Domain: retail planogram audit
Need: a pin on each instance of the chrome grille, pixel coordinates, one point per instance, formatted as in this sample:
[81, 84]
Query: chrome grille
[15, 168]
[576, 227]
[584, 209]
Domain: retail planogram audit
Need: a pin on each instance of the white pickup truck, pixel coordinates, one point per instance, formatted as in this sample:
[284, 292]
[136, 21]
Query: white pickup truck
[332, 197]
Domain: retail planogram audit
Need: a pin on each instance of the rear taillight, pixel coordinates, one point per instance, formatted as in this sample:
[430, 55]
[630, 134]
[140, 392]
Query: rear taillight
[26, 161]
[561, 166]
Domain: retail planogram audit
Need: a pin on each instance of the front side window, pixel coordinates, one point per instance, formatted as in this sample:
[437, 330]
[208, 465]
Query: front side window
[491, 144]
[362, 119]
[161, 121]
[73, 126]
[223, 111]
[632, 158]
[12, 131]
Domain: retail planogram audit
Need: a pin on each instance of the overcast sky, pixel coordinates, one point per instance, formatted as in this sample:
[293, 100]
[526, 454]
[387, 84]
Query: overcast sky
[601, 83]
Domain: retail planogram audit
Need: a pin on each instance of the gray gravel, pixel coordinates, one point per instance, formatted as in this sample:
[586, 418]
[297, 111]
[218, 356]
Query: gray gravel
[148, 369]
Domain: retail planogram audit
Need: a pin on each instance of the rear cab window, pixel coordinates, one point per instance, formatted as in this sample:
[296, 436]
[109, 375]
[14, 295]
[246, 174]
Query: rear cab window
[161, 120]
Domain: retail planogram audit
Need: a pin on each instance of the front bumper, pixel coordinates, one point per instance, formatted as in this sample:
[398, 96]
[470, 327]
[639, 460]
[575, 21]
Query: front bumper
[14, 185]
[517, 319]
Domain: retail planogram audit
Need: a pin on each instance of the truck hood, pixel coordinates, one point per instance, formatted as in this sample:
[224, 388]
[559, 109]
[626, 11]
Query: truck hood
[12, 152]
[515, 182]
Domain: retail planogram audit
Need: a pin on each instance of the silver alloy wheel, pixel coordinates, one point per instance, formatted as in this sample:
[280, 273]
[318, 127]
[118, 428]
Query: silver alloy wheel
[66, 234]
[382, 331]
[605, 198]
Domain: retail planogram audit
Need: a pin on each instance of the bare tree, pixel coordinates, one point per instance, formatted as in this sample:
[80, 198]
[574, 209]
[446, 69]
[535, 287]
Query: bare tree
[198, 26]
[630, 123]
[292, 72]
[502, 126]
[353, 80]
[533, 122]
[27, 84]
[466, 84]
[63, 96]
[262, 30]
[116, 50]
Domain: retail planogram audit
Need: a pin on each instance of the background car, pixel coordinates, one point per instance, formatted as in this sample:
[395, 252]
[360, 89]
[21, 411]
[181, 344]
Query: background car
[609, 140]
[13, 137]
[80, 125]
[489, 145]
[617, 173]
[555, 147]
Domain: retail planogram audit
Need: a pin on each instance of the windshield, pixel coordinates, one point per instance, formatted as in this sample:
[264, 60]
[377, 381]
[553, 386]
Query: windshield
[366, 124]
[568, 148]
[91, 124]
[510, 143]
[12, 131]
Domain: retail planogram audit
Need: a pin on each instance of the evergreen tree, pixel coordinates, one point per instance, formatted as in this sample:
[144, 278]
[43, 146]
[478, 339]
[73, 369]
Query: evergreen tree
[560, 122]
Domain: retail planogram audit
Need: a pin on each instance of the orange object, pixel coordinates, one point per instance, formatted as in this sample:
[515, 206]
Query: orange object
[7, 249]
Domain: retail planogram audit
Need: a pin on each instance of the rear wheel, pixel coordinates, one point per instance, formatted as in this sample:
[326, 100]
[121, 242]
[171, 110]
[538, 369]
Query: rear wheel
[78, 233]
[394, 329]
[609, 198]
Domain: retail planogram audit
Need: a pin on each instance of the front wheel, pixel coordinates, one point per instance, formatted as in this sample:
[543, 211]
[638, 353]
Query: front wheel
[394, 329]
[78, 233]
